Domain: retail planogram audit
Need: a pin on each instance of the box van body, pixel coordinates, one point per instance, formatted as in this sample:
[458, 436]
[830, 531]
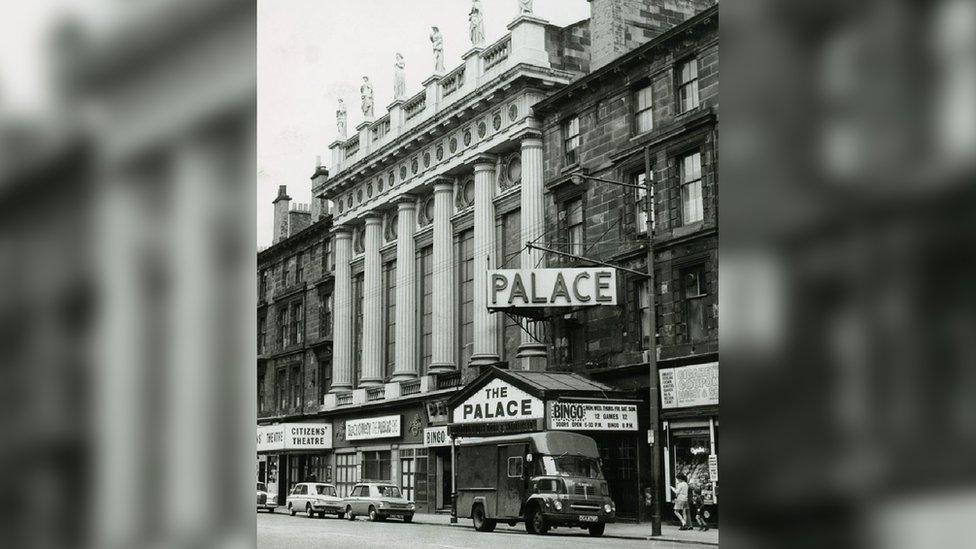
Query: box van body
[545, 479]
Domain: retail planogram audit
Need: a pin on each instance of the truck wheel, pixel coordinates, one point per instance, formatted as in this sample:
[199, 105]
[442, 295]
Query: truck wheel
[481, 523]
[597, 529]
[408, 518]
[536, 523]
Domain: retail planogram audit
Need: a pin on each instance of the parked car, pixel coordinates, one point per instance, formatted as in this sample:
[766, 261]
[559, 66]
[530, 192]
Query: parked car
[265, 500]
[314, 498]
[378, 501]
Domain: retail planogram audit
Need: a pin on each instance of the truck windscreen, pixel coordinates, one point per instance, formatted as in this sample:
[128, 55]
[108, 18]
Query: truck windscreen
[572, 466]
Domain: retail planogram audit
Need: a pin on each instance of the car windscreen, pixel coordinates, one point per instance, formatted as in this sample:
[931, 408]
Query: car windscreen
[325, 490]
[572, 466]
[262, 487]
[388, 491]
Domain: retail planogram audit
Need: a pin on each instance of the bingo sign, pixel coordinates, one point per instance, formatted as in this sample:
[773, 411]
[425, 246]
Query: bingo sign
[592, 416]
[436, 436]
[498, 401]
[689, 386]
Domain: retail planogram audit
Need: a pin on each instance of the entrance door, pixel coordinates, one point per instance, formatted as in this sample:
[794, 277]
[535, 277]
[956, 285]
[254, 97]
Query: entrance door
[446, 481]
[511, 480]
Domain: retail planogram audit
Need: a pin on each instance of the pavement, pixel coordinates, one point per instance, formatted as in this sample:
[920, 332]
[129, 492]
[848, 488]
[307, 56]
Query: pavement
[283, 531]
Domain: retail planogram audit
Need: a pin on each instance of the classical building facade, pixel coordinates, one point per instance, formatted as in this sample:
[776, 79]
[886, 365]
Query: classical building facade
[631, 172]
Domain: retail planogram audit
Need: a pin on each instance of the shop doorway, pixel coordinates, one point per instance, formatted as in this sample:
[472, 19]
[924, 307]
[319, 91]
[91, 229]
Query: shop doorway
[621, 468]
[446, 477]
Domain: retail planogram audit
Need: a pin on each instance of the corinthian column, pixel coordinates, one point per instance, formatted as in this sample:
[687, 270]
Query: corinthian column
[485, 327]
[532, 352]
[342, 325]
[406, 291]
[373, 340]
[442, 355]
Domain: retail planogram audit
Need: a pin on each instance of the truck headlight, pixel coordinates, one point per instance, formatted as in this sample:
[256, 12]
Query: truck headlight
[608, 508]
[412, 506]
[558, 505]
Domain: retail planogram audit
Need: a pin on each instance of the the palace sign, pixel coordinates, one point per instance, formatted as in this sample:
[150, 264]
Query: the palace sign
[294, 436]
[498, 401]
[508, 288]
[592, 416]
[374, 427]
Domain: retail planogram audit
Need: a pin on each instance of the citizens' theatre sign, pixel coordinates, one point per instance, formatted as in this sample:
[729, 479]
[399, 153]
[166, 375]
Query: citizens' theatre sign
[527, 288]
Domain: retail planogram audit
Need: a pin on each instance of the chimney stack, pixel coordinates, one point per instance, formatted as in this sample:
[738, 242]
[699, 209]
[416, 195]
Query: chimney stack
[618, 26]
[281, 207]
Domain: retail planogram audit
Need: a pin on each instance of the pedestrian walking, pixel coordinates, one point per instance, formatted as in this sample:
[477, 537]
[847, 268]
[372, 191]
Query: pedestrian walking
[680, 490]
[697, 507]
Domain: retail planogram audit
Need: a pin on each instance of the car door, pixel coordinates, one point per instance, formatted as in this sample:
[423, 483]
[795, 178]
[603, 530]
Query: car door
[355, 499]
[301, 498]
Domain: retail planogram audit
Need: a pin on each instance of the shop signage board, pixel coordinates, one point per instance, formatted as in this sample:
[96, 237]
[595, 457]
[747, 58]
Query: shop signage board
[689, 386]
[374, 427]
[294, 436]
[498, 401]
[436, 436]
[713, 467]
[527, 288]
[490, 429]
[591, 416]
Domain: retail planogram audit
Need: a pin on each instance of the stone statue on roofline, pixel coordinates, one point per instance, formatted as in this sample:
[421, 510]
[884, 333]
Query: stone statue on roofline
[366, 91]
[341, 119]
[438, 43]
[525, 7]
[476, 20]
[399, 78]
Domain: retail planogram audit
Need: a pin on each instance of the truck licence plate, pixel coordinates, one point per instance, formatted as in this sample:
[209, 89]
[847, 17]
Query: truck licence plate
[588, 518]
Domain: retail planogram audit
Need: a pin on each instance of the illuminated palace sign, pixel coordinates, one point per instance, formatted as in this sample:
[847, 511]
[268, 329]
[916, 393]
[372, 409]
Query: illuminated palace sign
[509, 288]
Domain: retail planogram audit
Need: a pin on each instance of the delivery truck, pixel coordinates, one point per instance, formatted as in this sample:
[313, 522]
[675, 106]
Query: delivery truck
[545, 479]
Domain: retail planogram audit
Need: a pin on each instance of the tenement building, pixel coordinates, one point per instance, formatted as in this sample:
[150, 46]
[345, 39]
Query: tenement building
[294, 344]
[444, 208]
[631, 179]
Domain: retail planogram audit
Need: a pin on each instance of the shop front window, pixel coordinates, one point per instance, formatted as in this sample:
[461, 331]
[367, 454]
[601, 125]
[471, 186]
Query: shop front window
[346, 476]
[690, 452]
[376, 465]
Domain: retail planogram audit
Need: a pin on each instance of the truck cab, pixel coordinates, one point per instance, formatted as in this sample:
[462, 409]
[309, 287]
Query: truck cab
[546, 479]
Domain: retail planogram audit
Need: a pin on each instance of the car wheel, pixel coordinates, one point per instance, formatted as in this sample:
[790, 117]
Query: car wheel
[291, 510]
[372, 514]
[408, 518]
[340, 514]
[535, 522]
[308, 510]
[322, 514]
[597, 529]
[349, 514]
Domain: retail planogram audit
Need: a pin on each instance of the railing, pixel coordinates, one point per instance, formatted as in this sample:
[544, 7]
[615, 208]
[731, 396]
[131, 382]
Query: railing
[411, 387]
[453, 82]
[415, 105]
[351, 148]
[343, 399]
[447, 380]
[381, 128]
[375, 393]
[496, 53]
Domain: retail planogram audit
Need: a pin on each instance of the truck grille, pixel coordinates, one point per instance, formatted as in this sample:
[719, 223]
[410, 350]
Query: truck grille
[585, 507]
[583, 490]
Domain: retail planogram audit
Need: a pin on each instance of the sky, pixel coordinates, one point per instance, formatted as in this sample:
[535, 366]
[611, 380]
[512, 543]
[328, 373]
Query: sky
[311, 52]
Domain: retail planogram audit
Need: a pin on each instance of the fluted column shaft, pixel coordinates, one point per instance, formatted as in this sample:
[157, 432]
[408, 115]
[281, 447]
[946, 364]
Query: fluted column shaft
[373, 341]
[406, 292]
[485, 326]
[442, 338]
[532, 352]
[342, 324]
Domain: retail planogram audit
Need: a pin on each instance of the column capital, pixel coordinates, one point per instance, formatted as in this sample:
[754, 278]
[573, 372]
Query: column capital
[443, 184]
[405, 201]
[531, 140]
[372, 217]
[342, 231]
[483, 161]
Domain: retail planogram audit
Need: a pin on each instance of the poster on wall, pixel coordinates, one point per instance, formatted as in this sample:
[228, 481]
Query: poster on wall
[592, 416]
[689, 386]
